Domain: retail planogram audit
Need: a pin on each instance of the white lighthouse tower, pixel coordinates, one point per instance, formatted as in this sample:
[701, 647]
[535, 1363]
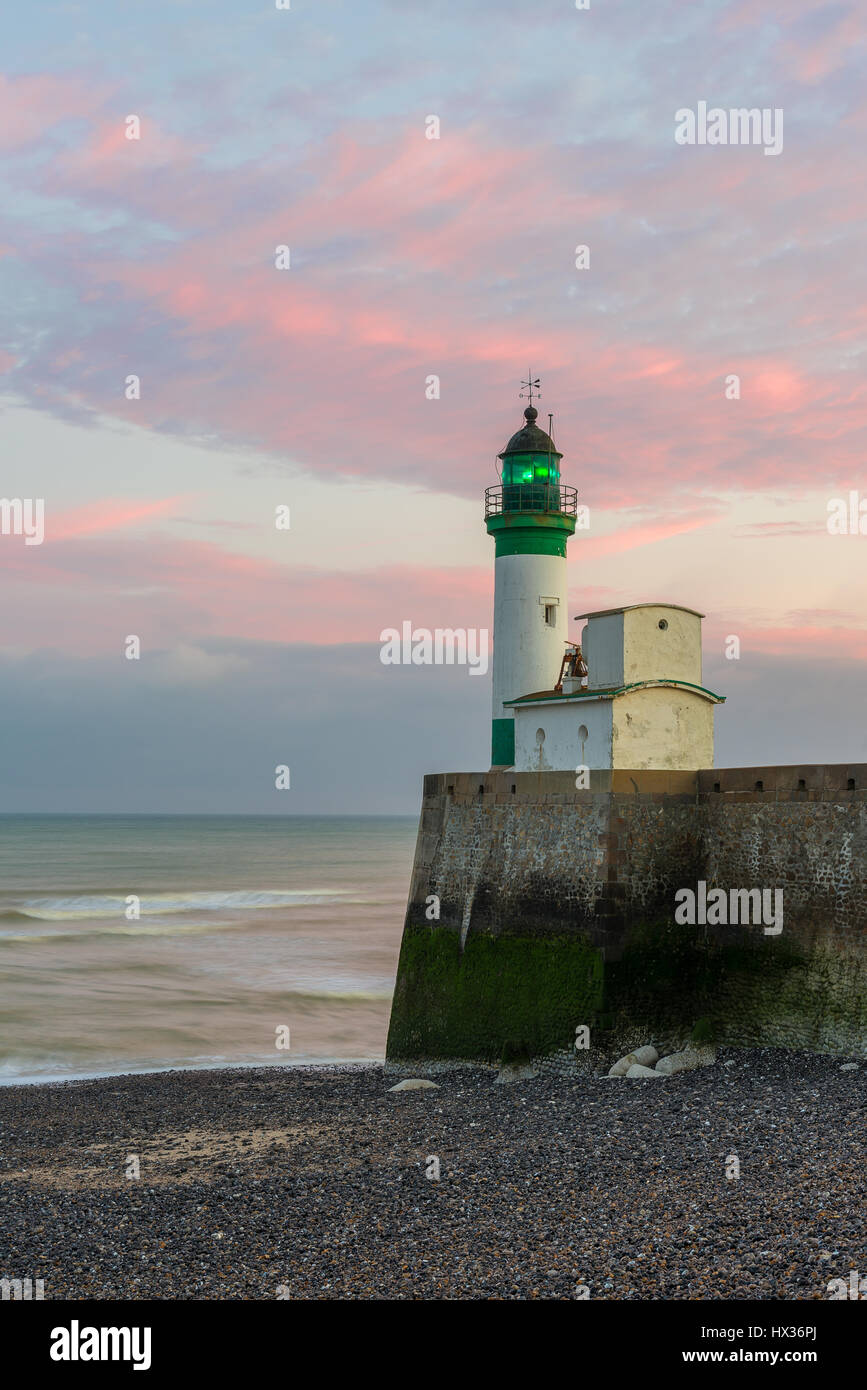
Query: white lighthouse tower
[531, 516]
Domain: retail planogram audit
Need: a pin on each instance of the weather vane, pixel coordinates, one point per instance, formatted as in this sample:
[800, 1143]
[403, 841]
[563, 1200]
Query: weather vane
[531, 385]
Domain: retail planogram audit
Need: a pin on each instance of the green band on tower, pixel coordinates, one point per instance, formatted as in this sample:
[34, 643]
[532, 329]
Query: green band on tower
[523, 533]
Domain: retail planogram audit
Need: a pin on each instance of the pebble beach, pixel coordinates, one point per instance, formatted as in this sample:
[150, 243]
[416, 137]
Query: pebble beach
[318, 1183]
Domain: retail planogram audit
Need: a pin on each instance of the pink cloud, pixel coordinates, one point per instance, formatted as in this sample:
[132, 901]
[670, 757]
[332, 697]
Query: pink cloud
[779, 387]
[619, 542]
[86, 592]
[108, 515]
[811, 641]
[104, 571]
[108, 156]
[31, 105]
[71, 593]
[413, 257]
[807, 52]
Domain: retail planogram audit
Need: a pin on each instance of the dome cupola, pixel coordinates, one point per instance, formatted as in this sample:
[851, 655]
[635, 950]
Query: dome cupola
[530, 455]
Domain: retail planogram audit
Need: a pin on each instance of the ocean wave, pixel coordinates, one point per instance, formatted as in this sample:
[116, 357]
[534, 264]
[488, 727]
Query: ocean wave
[97, 906]
[44, 933]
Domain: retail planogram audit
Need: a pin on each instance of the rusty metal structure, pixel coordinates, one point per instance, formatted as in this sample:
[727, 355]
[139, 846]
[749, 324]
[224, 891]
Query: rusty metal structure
[573, 666]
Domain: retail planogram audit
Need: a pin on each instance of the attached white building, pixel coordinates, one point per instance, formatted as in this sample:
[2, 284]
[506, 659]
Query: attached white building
[643, 704]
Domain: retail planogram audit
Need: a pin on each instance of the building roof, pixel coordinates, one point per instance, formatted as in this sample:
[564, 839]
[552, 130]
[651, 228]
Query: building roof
[530, 439]
[611, 692]
[606, 612]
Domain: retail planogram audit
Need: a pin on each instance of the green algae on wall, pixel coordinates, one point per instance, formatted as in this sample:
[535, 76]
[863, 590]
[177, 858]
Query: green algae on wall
[526, 995]
[671, 976]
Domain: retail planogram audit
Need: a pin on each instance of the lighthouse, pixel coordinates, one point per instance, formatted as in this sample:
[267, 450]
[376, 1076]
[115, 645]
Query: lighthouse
[531, 515]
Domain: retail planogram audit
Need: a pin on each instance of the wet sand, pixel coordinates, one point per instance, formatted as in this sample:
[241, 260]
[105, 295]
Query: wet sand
[311, 1183]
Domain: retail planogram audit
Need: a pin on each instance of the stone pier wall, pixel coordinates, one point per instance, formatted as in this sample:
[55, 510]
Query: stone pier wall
[556, 908]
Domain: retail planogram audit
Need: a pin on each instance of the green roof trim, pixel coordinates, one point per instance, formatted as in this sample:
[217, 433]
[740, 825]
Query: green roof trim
[544, 697]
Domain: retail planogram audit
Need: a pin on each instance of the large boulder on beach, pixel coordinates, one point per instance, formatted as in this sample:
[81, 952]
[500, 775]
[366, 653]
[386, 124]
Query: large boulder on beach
[688, 1060]
[641, 1057]
[415, 1083]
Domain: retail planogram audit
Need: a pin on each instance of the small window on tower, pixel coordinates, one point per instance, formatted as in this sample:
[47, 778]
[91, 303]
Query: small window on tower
[551, 614]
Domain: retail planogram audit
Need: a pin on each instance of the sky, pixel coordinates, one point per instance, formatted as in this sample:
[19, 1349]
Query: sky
[307, 387]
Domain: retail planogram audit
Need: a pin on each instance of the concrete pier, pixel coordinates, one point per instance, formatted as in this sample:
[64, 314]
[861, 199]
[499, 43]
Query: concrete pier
[536, 908]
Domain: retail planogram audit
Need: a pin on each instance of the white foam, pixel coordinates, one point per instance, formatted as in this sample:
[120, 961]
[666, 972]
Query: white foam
[156, 904]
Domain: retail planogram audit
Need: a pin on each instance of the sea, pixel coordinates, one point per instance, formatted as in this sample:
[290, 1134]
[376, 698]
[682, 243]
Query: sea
[142, 943]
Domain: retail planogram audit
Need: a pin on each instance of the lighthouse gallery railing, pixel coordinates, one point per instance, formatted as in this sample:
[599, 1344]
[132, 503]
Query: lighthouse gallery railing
[531, 497]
